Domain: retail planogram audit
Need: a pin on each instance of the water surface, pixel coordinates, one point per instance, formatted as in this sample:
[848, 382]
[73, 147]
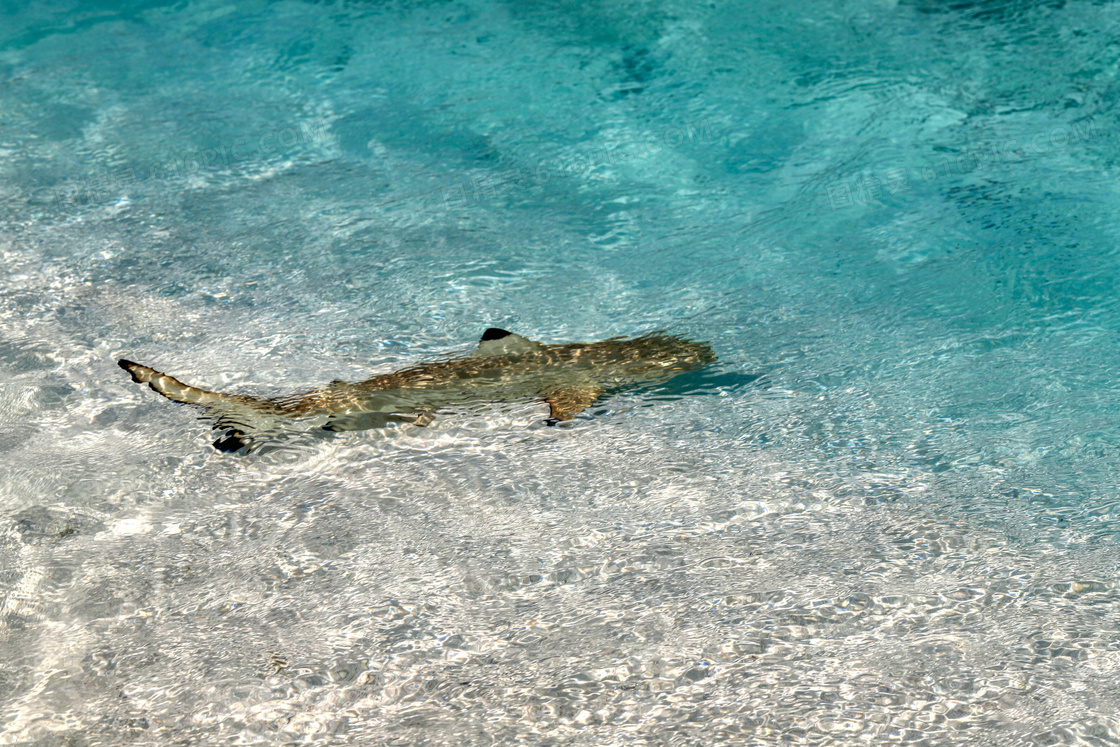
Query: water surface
[888, 514]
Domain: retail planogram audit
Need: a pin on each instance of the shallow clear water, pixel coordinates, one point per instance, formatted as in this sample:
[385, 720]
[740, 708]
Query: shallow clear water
[888, 514]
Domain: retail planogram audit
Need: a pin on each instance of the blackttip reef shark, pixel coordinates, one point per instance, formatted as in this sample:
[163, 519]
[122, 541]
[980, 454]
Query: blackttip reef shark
[504, 368]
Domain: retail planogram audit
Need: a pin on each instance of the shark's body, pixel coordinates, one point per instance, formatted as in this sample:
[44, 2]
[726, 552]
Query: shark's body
[504, 368]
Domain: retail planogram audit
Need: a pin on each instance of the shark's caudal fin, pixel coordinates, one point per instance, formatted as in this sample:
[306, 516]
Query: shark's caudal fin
[171, 387]
[238, 415]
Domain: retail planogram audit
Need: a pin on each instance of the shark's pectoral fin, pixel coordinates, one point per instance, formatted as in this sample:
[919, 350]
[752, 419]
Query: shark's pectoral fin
[567, 402]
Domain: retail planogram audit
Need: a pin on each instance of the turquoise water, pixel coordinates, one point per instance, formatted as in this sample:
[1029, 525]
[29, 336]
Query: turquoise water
[890, 514]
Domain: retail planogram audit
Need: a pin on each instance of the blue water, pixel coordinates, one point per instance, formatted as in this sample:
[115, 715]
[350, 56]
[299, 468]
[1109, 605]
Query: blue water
[889, 516]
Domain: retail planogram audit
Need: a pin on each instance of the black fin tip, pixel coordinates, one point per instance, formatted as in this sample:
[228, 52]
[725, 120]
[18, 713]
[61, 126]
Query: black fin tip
[494, 334]
[127, 365]
[231, 443]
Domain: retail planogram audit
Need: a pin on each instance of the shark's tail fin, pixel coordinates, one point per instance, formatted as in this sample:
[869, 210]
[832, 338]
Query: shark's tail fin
[172, 388]
[236, 414]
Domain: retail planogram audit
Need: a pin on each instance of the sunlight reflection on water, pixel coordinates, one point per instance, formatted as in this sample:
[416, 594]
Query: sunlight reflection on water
[886, 514]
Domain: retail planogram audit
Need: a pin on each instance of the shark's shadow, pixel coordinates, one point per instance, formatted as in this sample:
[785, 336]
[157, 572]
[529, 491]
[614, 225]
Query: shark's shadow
[699, 382]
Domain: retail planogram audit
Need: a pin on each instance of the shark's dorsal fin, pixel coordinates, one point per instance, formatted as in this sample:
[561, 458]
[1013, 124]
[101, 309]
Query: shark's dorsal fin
[498, 342]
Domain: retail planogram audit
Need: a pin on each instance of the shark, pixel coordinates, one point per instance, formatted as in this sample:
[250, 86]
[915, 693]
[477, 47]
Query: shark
[504, 367]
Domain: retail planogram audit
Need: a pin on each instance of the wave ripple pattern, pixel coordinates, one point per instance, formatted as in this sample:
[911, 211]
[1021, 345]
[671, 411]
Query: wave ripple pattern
[888, 514]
